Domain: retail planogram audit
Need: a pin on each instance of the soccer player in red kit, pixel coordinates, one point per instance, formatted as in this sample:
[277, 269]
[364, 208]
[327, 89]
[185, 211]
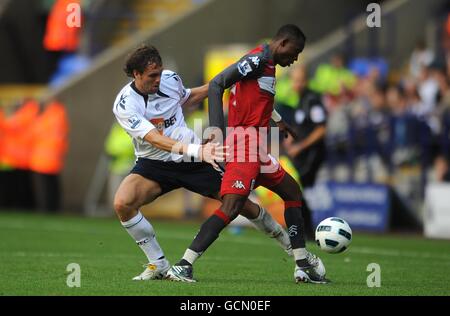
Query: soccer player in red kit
[249, 165]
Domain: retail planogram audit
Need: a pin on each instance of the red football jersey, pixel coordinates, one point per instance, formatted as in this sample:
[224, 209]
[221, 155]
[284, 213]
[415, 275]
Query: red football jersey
[252, 98]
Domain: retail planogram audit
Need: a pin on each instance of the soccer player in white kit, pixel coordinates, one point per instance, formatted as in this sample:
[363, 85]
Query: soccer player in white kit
[169, 154]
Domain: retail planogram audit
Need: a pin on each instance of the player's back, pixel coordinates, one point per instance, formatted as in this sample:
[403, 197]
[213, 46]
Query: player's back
[251, 99]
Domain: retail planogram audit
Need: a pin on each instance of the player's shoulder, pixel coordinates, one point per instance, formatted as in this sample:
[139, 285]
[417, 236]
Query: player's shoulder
[170, 77]
[260, 53]
[170, 80]
[171, 84]
[254, 61]
[125, 98]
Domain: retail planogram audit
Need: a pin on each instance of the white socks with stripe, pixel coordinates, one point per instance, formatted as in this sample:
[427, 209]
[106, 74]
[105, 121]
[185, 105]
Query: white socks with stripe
[265, 223]
[299, 253]
[142, 232]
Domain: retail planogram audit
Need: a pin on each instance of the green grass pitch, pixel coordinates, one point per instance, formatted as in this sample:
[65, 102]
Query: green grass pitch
[36, 249]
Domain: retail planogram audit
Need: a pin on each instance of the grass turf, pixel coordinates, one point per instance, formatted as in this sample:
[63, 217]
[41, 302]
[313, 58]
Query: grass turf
[36, 249]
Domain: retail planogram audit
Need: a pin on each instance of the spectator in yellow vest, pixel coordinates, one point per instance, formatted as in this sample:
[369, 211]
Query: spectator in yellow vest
[120, 150]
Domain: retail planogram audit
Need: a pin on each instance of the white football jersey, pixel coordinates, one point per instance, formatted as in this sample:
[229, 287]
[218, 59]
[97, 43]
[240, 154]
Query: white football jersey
[138, 114]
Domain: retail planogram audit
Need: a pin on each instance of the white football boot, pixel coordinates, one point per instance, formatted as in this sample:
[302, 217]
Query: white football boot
[314, 272]
[154, 271]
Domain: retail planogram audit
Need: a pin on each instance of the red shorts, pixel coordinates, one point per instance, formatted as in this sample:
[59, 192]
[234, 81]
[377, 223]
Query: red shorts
[242, 177]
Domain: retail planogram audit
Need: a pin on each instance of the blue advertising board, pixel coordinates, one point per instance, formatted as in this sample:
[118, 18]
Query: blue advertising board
[365, 206]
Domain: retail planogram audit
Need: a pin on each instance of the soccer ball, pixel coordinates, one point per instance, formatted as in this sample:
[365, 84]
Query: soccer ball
[333, 235]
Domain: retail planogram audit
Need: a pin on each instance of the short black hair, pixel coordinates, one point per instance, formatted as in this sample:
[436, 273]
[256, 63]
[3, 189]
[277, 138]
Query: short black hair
[142, 57]
[292, 32]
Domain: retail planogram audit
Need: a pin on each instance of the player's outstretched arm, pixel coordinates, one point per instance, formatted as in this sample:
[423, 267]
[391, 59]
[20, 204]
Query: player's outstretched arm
[198, 94]
[293, 150]
[210, 152]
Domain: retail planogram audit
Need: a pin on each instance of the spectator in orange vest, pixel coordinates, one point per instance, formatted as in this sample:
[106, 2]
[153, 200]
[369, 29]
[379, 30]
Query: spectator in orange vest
[16, 149]
[17, 139]
[2, 135]
[50, 143]
[4, 172]
[447, 25]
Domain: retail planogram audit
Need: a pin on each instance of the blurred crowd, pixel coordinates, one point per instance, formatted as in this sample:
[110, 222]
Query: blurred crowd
[33, 143]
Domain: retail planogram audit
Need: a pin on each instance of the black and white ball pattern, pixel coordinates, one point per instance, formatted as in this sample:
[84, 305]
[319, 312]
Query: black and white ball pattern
[333, 235]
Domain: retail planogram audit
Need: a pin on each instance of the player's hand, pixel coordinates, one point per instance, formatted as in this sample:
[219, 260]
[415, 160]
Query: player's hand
[294, 150]
[213, 132]
[213, 153]
[208, 140]
[286, 129]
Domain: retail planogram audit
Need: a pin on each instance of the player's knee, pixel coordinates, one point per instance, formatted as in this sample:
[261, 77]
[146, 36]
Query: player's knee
[232, 205]
[122, 207]
[232, 211]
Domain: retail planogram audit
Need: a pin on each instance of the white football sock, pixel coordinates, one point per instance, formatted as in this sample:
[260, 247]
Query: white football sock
[299, 253]
[142, 232]
[191, 256]
[265, 223]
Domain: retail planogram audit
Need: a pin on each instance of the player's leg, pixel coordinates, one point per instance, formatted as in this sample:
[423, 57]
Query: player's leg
[133, 192]
[209, 232]
[205, 180]
[290, 192]
[308, 179]
[309, 268]
[211, 228]
[265, 223]
[238, 180]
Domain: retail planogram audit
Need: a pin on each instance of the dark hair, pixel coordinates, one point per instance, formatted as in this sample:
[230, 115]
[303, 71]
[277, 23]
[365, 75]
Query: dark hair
[139, 59]
[292, 32]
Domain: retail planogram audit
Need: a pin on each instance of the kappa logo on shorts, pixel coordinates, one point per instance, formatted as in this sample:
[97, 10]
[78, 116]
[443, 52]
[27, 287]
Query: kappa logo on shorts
[238, 185]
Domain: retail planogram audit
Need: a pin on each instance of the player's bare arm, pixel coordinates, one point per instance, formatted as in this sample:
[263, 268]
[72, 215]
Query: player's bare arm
[209, 152]
[293, 150]
[198, 94]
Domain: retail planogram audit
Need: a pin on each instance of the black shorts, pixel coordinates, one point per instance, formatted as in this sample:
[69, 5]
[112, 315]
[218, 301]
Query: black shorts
[198, 177]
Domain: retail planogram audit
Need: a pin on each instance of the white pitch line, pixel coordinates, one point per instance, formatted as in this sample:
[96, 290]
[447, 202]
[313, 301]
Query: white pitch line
[397, 253]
